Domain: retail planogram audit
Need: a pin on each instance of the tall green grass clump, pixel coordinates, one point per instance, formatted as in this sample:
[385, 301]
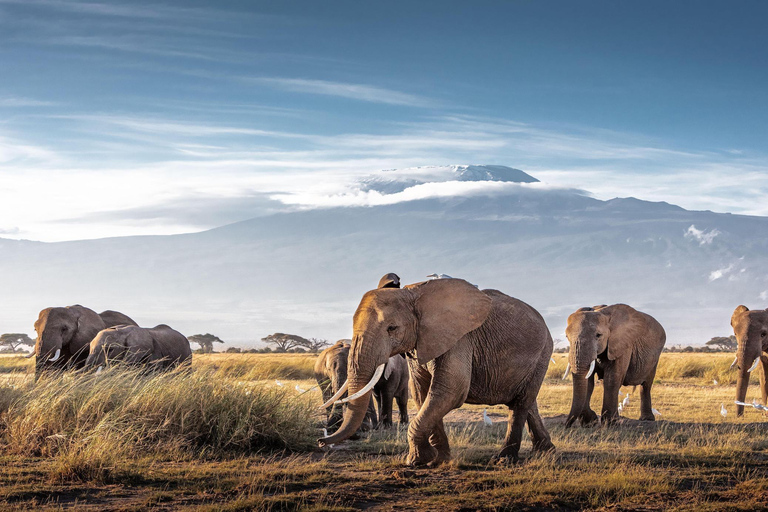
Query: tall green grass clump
[123, 413]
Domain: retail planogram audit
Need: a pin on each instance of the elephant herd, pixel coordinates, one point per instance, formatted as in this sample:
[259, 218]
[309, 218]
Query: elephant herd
[76, 337]
[445, 341]
[466, 345]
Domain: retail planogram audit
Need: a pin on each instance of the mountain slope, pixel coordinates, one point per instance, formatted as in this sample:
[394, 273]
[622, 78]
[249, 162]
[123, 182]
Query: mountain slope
[305, 271]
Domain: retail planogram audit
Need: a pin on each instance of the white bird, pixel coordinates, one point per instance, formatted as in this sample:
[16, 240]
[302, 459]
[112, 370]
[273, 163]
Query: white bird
[486, 419]
[714, 381]
[723, 411]
[620, 393]
[625, 402]
[439, 276]
[278, 383]
[621, 408]
[655, 411]
[759, 407]
[298, 388]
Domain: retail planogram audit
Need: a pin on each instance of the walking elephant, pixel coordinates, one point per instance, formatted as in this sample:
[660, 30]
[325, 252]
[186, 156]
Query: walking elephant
[751, 331]
[330, 374]
[160, 346]
[65, 333]
[464, 346]
[622, 346]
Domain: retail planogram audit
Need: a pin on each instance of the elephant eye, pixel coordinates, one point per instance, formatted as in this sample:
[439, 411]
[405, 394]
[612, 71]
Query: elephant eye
[762, 334]
[391, 328]
[598, 335]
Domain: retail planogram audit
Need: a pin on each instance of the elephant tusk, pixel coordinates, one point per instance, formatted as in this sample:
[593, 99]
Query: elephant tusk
[100, 368]
[339, 393]
[567, 369]
[374, 380]
[734, 362]
[591, 369]
[30, 355]
[754, 365]
[56, 355]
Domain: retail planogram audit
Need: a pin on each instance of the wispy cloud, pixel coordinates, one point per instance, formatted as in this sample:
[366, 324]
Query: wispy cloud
[213, 160]
[702, 236]
[360, 92]
[24, 102]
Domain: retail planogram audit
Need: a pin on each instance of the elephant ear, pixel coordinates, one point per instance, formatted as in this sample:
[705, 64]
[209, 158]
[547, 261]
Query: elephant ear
[736, 313]
[447, 309]
[626, 327]
[388, 369]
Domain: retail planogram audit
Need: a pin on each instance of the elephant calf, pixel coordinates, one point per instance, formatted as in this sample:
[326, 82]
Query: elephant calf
[160, 346]
[620, 344]
[393, 384]
[751, 331]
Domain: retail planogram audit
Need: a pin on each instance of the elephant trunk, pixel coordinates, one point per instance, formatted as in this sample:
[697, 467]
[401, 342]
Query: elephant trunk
[354, 414]
[579, 399]
[365, 365]
[746, 357]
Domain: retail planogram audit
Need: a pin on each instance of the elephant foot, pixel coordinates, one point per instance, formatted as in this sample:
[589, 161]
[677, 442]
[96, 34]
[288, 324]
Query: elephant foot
[569, 421]
[588, 418]
[421, 456]
[441, 458]
[607, 419]
[645, 417]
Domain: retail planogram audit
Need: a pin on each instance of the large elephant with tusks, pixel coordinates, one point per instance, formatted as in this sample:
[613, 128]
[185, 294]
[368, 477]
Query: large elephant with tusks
[464, 346]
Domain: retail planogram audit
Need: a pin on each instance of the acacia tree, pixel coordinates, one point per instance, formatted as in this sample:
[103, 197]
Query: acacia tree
[205, 341]
[724, 343]
[13, 340]
[284, 342]
[317, 344]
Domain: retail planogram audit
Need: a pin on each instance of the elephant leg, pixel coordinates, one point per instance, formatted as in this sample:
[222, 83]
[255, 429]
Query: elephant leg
[646, 410]
[538, 432]
[402, 406]
[612, 381]
[447, 391]
[386, 409]
[762, 373]
[515, 424]
[439, 441]
[588, 416]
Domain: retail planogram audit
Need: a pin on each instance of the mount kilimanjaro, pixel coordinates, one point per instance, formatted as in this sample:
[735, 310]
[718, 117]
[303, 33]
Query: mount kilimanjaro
[304, 270]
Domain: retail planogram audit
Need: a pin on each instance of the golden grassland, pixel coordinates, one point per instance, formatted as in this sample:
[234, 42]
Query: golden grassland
[235, 434]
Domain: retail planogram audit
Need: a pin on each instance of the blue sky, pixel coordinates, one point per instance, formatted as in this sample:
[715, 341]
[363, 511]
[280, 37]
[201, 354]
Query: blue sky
[121, 118]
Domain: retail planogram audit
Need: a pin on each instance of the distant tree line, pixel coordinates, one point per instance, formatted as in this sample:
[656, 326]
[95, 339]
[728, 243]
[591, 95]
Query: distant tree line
[279, 343]
[716, 344]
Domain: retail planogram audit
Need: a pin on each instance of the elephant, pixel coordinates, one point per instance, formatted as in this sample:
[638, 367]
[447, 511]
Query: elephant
[751, 331]
[159, 346]
[393, 384]
[390, 280]
[65, 333]
[464, 345]
[619, 344]
[330, 374]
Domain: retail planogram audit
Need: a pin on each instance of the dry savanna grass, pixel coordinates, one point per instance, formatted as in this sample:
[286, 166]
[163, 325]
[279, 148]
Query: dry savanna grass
[236, 434]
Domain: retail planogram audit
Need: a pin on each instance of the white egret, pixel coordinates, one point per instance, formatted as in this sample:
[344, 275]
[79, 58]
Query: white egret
[486, 419]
